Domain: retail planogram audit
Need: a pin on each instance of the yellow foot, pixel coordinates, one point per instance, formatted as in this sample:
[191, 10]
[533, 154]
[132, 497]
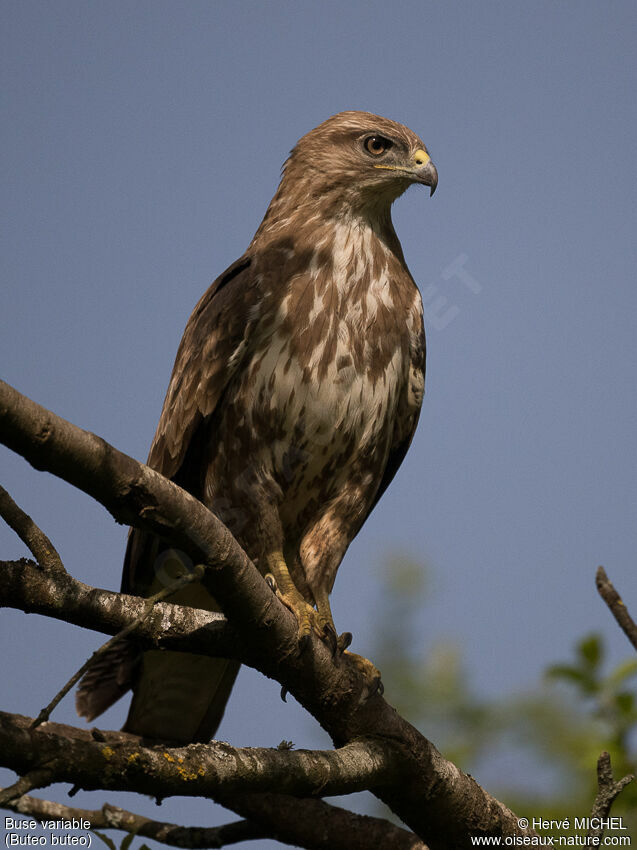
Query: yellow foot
[307, 617]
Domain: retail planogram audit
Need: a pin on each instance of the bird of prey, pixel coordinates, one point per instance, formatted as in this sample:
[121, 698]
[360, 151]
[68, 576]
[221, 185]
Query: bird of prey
[293, 399]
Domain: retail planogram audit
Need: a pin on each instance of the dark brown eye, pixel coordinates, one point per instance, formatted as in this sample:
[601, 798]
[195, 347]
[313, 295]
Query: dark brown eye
[377, 145]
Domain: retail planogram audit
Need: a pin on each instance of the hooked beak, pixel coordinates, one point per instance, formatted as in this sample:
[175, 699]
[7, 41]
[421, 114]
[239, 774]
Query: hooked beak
[422, 171]
[427, 174]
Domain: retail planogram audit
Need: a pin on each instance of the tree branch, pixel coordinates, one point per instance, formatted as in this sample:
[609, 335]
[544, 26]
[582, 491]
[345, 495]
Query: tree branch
[309, 823]
[317, 825]
[112, 817]
[150, 602]
[24, 586]
[616, 605]
[121, 763]
[607, 791]
[38, 543]
[440, 803]
[37, 778]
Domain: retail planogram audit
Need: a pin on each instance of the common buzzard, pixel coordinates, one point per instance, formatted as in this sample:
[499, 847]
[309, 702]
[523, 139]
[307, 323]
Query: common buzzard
[294, 397]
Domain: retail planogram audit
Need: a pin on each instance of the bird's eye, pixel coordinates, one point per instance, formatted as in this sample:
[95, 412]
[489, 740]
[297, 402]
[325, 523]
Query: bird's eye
[377, 145]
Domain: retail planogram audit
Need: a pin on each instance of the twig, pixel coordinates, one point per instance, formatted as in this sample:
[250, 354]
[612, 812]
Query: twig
[112, 817]
[607, 792]
[616, 605]
[195, 575]
[37, 778]
[39, 544]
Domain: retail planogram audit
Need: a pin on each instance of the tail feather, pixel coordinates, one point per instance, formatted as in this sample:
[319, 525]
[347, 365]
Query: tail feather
[180, 697]
[107, 679]
[177, 696]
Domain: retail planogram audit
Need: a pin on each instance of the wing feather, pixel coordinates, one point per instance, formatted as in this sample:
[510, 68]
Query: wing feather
[210, 353]
[408, 415]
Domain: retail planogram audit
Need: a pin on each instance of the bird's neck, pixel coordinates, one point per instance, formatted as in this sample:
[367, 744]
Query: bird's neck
[299, 214]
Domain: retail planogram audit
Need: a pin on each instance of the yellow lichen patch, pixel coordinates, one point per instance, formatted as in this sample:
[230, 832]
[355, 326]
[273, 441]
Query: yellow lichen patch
[168, 757]
[133, 758]
[108, 752]
[201, 771]
[186, 775]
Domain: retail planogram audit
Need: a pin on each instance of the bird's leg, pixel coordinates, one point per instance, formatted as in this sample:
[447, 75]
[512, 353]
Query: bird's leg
[290, 596]
[326, 621]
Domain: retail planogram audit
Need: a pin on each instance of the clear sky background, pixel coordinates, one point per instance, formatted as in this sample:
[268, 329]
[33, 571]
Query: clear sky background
[141, 144]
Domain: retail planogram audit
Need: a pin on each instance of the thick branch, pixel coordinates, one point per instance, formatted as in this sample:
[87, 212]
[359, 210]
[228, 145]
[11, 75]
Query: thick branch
[137, 495]
[24, 586]
[317, 825]
[438, 801]
[617, 608]
[121, 763]
[307, 823]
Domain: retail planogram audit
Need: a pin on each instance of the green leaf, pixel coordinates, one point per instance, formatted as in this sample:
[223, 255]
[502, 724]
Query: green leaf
[566, 671]
[126, 841]
[591, 651]
[622, 672]
[625, 702]
[108, 841]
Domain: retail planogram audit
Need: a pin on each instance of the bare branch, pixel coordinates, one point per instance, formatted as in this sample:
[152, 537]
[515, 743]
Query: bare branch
[434, 798]
[36, 778]
[38, 543]
[112, 817]
[121, 763]
[317, 825]
[616, 605]
[150, 603]
[25, 587]
[137, 495]
[607, 791]
[307, 823]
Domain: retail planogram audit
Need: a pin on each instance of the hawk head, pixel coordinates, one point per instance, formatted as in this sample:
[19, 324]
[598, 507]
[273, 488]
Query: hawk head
[359, 160]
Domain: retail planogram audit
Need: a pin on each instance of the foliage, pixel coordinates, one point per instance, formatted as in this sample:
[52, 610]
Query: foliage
[125, 843]
[548, 739]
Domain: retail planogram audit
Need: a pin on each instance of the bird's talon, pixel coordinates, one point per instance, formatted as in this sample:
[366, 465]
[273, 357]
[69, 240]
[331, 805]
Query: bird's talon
[344, 641]
[271, 582]
[284, 693]
[376, 687]
[331, 639]
[304, 640]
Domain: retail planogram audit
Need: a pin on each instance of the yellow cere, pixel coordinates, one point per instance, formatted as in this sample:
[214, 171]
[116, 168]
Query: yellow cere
[421, 157]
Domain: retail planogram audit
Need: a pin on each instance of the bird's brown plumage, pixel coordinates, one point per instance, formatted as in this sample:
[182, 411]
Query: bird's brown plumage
[294, 396]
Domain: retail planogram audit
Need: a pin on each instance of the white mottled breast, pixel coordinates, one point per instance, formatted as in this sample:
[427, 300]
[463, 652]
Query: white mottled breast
[339, 406]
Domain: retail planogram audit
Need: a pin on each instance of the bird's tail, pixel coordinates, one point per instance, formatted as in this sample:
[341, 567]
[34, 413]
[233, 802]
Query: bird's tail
[107, 679]
[177, 696]
[180, 697]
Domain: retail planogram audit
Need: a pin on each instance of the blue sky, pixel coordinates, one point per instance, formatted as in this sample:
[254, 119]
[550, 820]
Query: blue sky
[141, 145]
